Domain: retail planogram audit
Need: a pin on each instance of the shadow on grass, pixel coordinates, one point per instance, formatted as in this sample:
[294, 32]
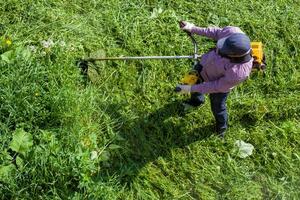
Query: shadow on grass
[148, 138]
[247, 121]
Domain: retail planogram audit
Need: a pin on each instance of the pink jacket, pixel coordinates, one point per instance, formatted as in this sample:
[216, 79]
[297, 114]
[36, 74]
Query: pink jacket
[219, 74]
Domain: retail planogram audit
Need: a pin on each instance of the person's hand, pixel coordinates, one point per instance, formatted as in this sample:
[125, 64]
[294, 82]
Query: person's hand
[186, 26]
[183, 89]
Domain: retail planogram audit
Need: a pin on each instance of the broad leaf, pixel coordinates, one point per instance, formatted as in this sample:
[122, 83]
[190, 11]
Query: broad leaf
[21, 142]
[6, 173]
[244, 149]
[114, 146]
[7, 56]
[105, 155]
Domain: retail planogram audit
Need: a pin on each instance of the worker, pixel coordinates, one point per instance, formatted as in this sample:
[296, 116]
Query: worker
[220, 69]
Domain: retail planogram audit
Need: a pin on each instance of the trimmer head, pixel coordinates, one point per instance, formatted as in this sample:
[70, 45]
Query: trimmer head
[83, 65]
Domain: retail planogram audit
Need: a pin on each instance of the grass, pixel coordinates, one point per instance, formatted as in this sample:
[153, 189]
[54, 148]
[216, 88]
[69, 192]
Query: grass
[120, 134]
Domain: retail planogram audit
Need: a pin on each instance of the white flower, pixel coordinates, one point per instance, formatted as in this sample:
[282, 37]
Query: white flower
[47, 44]
[32, 48]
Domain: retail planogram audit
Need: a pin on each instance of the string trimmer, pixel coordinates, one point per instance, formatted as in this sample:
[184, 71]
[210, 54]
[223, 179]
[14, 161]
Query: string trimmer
[190, 78]
[83, 63]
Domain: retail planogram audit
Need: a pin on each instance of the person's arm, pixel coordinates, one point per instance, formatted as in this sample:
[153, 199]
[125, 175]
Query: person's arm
[211, 32]
[215, 33]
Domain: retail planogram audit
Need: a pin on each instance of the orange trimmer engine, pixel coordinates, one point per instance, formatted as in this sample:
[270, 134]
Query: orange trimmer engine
[259, 62]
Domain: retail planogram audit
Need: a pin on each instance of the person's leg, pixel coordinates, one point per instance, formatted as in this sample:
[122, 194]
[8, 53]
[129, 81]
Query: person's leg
[196, 99]
[218, 107]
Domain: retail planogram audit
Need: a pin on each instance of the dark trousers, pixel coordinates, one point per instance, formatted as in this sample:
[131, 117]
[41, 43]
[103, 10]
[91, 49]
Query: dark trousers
[218, 108]
[217, 103]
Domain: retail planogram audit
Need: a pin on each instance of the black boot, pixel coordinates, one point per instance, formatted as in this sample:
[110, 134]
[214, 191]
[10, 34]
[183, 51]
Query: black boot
[197, 99]
[221, 133]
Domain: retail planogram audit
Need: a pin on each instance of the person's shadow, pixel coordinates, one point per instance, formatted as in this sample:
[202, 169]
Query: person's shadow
[147, 138]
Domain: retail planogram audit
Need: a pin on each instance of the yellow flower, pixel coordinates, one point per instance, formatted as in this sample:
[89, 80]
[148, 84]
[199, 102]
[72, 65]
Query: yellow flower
[8, 41]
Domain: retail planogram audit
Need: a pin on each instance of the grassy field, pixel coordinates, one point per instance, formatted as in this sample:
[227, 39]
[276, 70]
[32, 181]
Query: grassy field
[120, 134]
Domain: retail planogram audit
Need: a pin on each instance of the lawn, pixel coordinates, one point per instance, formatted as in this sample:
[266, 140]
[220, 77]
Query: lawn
[120, 133]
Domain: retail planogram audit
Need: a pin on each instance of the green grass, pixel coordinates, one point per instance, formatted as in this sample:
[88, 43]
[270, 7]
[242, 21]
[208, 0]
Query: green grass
[120, 134]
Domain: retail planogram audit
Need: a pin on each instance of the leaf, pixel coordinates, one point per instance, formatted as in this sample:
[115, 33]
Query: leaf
[7, 56]
[23, 53]
[98, 54]
[244, 149]
[21, 142]
[6, 173]
[119, 137]
[19, 162]
[156, 12]
[26, 54]
[114, 146]
[93, 75]
[104, 156]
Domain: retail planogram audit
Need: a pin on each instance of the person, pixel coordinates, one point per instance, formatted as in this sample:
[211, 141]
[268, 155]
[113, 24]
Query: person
[220, 69]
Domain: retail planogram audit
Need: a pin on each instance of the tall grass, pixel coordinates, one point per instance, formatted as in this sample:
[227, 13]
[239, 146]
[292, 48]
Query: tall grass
[121, 134]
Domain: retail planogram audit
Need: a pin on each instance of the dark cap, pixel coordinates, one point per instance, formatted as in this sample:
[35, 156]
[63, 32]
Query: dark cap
[235, 45]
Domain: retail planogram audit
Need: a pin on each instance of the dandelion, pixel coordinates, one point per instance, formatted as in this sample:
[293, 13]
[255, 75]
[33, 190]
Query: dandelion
[8, 41]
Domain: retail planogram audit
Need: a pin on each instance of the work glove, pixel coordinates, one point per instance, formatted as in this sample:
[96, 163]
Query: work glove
[183, 89]
[186, 26]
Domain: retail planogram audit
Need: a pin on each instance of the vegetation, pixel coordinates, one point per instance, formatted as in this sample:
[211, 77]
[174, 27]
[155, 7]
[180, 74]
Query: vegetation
[121, 134]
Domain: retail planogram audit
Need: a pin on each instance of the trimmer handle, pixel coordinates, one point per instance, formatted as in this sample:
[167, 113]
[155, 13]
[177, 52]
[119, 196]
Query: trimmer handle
[181, 25]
